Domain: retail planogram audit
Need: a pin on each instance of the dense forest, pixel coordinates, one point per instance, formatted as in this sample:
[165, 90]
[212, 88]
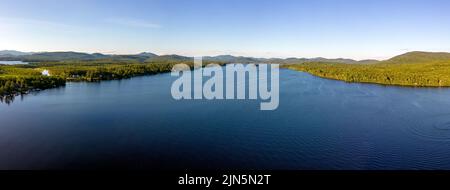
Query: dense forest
[21, 79]
[419, 69]
[411, 69]
[23, 84]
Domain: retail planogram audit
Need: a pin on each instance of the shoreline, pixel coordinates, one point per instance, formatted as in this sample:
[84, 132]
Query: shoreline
[372, 83]
[401, 75]
[31, 89]
[11, 96]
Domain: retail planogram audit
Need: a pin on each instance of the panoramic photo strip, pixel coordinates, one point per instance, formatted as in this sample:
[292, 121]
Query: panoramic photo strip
[224, 93]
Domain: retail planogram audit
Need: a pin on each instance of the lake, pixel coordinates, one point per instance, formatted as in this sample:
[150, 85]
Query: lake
[136, 124]
[12, 62]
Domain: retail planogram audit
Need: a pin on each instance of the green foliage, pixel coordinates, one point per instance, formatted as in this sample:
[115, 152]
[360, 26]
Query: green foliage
[18, 79]
[10, 85]
[411, 69]
[420, 57]
[405, 74]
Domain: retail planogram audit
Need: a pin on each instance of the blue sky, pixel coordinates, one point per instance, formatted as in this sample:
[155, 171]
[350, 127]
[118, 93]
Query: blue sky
[264, 28]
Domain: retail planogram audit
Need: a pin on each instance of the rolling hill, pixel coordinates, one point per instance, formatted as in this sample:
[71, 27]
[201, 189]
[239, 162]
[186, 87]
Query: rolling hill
[12, 53]
[420, 57]
[419, 69]
[151, 57]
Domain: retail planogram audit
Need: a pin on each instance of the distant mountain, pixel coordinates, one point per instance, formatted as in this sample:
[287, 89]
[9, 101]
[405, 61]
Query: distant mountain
[368, 61]
[169, 58]
[294, 60]
[233, 59]
[62, 56]
[147, 54]
[151, 57]
[341, 60]
[338, 60]
[420, 57]
[6, 53]
[138, 57]
[224, 58]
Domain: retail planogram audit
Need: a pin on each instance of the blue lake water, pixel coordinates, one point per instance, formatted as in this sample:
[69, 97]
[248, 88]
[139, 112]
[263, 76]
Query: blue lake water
[135, 124]
[12, 62]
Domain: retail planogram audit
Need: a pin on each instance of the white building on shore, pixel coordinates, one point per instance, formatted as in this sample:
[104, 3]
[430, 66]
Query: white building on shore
[46, 73]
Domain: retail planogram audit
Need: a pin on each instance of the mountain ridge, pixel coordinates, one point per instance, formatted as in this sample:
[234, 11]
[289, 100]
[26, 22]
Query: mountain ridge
[148, 56]
[409, 57]
[420, 57]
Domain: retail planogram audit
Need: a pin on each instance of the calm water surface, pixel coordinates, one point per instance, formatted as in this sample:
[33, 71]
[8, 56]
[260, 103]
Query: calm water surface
[12, 62]
[135, 124]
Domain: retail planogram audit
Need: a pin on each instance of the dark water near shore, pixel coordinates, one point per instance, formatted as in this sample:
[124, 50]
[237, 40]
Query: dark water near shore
[135, 124]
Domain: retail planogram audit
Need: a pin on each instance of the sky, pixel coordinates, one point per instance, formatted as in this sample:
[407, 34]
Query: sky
[358, 29]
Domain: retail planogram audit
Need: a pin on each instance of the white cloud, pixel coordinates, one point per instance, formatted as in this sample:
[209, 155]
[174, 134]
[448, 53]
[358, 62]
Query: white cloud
[132, 23]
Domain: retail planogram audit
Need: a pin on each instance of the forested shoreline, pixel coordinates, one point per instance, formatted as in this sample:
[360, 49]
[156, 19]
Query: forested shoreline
[418, 69]
[417, 75]
[22, 79]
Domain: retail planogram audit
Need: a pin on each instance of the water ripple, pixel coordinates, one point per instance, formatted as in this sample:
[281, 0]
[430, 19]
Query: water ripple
[436, 127]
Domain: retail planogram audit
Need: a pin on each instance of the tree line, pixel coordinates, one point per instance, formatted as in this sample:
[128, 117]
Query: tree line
[420, 74]
[20, 79]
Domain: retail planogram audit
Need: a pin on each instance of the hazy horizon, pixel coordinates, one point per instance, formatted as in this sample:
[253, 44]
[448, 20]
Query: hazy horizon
[297, 57]
[267, 29]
